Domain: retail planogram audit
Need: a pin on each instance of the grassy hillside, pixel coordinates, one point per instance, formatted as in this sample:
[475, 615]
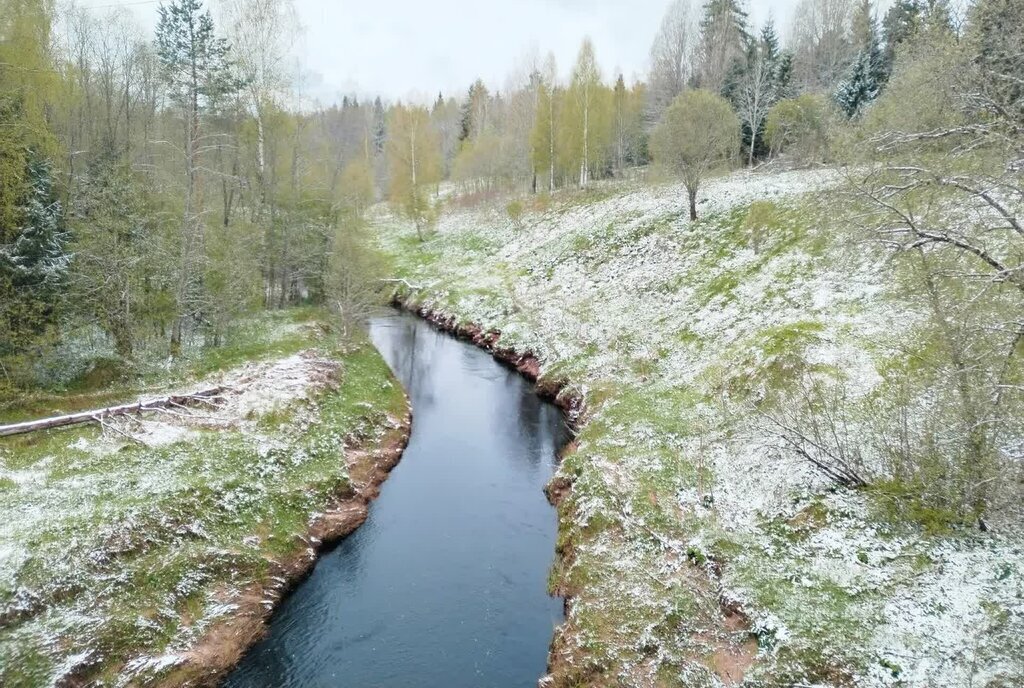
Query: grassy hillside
[117, 554]
[699, 545]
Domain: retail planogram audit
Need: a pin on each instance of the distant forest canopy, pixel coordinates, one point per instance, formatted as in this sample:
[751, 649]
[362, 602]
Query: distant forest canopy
[154, 189]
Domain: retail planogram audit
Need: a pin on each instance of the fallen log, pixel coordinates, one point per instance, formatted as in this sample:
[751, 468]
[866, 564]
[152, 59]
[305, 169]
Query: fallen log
[97, 415]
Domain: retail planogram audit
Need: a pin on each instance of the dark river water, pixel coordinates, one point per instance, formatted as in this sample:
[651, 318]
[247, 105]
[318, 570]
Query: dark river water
[446, 583]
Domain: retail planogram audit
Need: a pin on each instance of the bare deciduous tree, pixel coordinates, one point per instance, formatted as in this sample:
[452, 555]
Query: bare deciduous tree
[821, 42]
[671, 56]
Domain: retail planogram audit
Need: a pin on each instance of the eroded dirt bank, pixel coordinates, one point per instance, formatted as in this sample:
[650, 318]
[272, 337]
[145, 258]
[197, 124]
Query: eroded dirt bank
[732, 651]
[370, 462]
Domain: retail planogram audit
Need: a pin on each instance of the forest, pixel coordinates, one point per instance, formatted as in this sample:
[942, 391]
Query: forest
[161, 192]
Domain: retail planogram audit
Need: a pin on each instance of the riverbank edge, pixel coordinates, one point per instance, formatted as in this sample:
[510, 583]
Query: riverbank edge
[556, 390]
[225, 643]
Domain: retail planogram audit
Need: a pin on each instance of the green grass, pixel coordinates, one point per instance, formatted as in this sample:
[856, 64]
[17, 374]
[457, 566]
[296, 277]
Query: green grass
[132, 550]
[674, 368]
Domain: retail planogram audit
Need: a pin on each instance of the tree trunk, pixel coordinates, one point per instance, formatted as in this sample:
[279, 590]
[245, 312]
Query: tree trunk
[691, 192]
[111, 411]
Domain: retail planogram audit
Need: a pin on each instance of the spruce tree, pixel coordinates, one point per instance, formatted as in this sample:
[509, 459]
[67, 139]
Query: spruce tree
[860, 86]
[899, 24]
[474, 112]
[37, 261]
[724, 40]
[380, 126]
[866, 76]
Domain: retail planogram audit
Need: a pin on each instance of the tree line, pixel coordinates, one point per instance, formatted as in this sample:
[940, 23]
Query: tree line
[156, 188]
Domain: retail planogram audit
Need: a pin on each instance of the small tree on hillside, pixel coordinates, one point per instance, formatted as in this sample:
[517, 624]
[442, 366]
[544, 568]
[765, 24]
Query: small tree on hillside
[698, 133]
[800, 127]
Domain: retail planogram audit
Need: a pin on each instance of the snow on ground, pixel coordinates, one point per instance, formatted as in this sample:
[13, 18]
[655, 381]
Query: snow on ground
[653, 316]
[120, 546]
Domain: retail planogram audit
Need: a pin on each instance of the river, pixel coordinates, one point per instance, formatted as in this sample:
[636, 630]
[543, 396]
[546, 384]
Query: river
[446, 582]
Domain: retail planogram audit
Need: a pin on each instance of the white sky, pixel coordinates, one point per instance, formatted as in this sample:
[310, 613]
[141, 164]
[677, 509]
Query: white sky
[412, 49]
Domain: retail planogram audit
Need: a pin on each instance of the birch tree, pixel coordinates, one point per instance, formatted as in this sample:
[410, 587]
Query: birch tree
[821, 42]
[758, 92]
[586, 97]
[543, 136]
[671, 58]
[414, 163]
[262, 34]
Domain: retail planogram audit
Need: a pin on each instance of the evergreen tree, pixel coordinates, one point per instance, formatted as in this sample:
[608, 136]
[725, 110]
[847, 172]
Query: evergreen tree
[899, 24]
[197, 72]
[770, 40]
[784, 75]
[195, 61]
[380, 126]
[724, 40]
[37, 261]
[473, 119]
[866, 76]
[34, 266]
[860, 87]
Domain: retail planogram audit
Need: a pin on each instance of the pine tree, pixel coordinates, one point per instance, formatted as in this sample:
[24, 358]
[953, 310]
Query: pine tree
[197, 71]
[195, 61]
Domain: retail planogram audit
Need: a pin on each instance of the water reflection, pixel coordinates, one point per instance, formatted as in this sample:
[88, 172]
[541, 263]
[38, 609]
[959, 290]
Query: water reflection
[445, 585]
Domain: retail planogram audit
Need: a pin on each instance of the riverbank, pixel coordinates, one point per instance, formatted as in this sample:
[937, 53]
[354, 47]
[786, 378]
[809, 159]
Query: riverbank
[151, 551]
[369, 461]
[697, 549]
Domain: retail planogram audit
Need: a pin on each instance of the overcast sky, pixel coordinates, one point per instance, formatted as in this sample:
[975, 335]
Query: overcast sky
[415, 48]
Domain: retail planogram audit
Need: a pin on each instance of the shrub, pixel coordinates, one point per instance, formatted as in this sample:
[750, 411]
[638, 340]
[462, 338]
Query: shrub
[800, 127]
[515, 210]
[761, 218]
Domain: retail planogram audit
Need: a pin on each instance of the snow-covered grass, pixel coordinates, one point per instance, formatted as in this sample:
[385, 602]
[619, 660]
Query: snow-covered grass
[685, 504]
[115, 557]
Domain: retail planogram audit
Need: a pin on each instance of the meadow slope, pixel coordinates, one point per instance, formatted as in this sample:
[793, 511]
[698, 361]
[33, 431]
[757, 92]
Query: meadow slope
[150, 551]
[697, 547]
